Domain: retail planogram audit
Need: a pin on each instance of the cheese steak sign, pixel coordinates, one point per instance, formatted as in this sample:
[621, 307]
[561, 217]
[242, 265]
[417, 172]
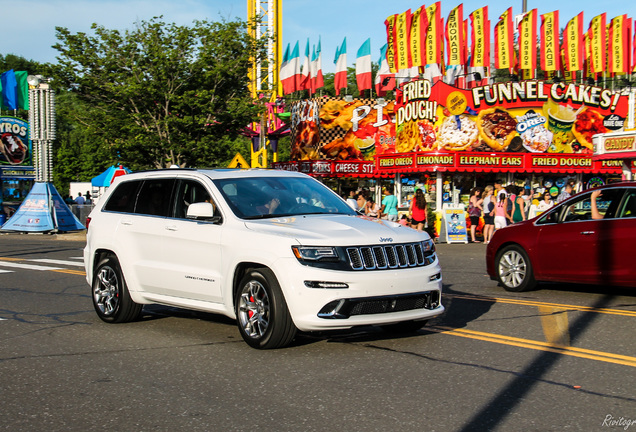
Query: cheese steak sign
[481, 162]
[329, 168]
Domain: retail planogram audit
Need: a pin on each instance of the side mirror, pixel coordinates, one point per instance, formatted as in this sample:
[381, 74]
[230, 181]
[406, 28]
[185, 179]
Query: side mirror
[201, 211]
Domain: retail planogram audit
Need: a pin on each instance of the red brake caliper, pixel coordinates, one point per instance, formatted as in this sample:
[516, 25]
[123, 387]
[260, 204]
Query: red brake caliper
[251, 313]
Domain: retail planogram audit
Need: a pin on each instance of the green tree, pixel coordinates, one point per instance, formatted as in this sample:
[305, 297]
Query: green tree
[162, 94]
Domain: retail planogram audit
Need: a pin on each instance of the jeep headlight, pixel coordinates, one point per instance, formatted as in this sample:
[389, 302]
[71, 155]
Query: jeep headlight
[315, 253]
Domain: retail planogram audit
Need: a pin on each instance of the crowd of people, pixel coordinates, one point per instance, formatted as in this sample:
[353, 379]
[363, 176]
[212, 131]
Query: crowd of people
[362, 201]
[501, 206]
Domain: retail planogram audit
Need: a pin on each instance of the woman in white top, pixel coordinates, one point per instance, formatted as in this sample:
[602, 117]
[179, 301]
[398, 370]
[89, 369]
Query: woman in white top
[545, 204]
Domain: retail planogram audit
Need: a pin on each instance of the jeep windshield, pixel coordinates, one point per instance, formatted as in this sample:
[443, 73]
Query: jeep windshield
[267, 197]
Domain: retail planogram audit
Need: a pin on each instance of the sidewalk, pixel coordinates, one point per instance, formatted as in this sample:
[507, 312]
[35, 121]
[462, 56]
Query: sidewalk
[79, 236]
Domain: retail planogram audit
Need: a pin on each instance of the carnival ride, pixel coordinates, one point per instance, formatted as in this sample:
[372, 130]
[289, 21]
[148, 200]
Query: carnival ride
[265, 19]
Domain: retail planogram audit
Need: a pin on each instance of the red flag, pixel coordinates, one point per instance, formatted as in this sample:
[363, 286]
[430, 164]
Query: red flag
[455, 37]
[480, 54]
[528, 41]
[550, 46]
[573, 44]
[504, 34]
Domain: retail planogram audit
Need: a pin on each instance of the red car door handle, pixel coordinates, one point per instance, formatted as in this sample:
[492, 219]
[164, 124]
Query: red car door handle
[587, 232]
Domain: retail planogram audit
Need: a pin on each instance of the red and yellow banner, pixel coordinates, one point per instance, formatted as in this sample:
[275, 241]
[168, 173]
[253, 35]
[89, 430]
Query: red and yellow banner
[528, 41]
[417, 36]
[550, 47]
[598, 37]
[390, 43]
[402, 27]
[574, 46]
[480, 38]
[504, 37]
[434, 34]
[619, 53]
[455, 43]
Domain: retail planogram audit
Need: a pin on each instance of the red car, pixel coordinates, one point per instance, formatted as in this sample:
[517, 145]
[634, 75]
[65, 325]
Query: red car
[589, 239]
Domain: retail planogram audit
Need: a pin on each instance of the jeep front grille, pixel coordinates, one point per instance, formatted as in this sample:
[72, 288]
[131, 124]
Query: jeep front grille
[389, 256]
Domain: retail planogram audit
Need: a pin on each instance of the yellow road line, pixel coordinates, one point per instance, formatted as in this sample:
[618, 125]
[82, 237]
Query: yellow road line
[543, 304]
[74, 272]
[11, 259]
[537, 345]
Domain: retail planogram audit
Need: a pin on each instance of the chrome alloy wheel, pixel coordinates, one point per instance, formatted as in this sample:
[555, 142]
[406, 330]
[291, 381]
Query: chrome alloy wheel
[512, 268]
[254, 309]
[106, 291]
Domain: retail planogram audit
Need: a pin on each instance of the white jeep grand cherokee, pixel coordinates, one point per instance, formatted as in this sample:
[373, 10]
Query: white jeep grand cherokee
[275, 250]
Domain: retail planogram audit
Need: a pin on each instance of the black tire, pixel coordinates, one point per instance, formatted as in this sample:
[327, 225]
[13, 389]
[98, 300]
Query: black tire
[261, 311]
[404, 327]
[514, 269]
[111, 298]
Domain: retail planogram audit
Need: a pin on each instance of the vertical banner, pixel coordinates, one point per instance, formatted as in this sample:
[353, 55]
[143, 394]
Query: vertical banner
[619, 53]
[417, 36]
[504, 36]
[574, 46]
[597, 35]
[550, 49]
[402, 25]
[528, 41]
[433, 34]
[455, 37]
[480, 38]
[390, 42]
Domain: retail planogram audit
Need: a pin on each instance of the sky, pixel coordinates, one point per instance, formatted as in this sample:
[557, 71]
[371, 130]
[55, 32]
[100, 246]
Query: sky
[28, 26]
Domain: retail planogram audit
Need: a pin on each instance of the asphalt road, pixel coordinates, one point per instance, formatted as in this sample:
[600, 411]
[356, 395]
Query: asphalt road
[556, 359]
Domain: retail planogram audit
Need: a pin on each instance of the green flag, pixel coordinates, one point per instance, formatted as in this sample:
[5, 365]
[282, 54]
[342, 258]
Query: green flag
[23, 89]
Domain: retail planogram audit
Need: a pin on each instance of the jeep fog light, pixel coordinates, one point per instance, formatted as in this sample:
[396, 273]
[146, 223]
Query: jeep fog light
[435, 277]
[326, 285]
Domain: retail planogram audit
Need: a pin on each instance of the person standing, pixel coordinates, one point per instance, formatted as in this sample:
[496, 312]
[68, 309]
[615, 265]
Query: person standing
[501, 219]
[519, 213]
[389, 206]
[80, 199]
[351, 200]
[474, 212]
[488, 204]
[361, 201]
[417, 211]
[510, 203]
[372, 209]
[565, 194]
[545, 204]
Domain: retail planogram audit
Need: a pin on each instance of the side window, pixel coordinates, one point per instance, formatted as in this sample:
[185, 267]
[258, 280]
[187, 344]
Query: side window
[123, 198]
[582, 208]
[189, 192]
[154, 197]
[628, 207]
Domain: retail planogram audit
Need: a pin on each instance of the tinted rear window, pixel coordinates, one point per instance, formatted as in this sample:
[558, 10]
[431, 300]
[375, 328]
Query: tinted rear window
[123, 198]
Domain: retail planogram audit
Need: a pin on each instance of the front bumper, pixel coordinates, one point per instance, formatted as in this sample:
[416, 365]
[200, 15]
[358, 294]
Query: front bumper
[372, 297]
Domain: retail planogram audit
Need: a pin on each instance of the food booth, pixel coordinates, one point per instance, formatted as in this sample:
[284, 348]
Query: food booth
[445, 140]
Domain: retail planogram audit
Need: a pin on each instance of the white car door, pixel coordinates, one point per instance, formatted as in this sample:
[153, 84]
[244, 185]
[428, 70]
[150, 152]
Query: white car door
[192, 250]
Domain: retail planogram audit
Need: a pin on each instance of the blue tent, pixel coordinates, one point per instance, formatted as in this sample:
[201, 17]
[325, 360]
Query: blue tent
[43, 210]
[106, 178]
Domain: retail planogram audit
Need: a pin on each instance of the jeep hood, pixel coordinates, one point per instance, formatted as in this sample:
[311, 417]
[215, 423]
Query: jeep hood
[336, 230]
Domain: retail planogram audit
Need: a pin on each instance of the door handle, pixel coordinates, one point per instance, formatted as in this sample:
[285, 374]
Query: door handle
[171, 227]
[126, 221]
[587, 232]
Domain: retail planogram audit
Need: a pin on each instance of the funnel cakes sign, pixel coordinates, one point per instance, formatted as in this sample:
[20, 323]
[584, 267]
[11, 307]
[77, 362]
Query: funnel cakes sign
[512, 117]
[14, 141]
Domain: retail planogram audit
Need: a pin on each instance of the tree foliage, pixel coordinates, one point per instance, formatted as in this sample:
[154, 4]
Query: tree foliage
[162, 94]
